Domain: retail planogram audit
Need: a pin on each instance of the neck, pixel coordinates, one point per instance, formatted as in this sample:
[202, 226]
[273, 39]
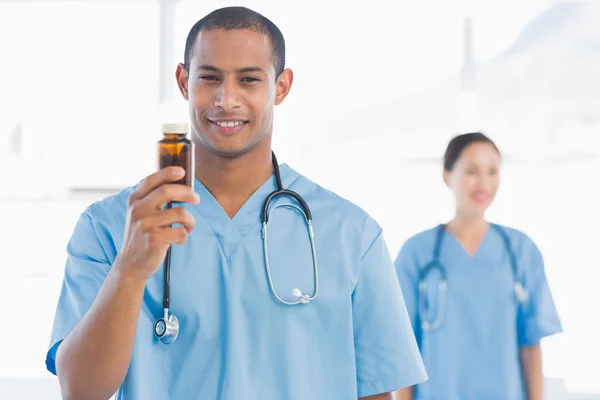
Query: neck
[233, 180]
[468, 230]
[468, 225]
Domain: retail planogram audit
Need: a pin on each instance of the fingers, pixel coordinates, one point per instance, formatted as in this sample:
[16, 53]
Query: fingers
[168, 236]
[151, 182]
[161, 196]
[166, 218]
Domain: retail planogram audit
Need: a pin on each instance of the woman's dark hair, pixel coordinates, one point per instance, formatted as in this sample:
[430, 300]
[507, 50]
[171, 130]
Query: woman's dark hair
[459, 143]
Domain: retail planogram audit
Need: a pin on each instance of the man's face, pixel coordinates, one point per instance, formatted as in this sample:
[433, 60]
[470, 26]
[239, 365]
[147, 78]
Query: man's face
[231, 89]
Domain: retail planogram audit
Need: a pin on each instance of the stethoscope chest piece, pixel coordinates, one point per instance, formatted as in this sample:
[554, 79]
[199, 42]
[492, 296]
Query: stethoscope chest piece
[167, 328]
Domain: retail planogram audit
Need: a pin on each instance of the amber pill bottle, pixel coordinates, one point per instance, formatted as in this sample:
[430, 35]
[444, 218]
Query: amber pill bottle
[175, 149]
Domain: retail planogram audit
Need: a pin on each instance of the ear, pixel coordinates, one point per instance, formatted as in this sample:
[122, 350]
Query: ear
[284, 84]
[182, 80]
[446, 176]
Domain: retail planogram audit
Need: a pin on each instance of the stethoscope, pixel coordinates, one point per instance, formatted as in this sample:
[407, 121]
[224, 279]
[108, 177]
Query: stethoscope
[167, 327]
[521, 293]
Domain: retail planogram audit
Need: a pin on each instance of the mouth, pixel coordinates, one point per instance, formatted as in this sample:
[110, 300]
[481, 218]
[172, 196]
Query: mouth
[227, 126]
[481, 197]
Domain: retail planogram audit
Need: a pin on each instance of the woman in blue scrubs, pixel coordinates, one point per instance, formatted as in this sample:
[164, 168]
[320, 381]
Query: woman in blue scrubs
[476, 292]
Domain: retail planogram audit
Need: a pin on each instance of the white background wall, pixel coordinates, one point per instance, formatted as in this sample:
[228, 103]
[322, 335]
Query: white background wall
[82, 79]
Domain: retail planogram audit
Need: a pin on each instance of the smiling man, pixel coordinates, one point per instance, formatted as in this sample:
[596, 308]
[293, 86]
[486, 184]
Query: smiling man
[311, 311]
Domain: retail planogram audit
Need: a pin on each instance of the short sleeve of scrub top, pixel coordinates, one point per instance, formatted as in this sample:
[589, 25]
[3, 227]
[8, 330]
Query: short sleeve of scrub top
[539, 318]
[86, 268]
[382, 329]
[406, 267]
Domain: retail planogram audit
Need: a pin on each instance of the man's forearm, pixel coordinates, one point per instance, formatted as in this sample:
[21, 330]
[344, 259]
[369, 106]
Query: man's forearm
[93, 359]
[531, 364]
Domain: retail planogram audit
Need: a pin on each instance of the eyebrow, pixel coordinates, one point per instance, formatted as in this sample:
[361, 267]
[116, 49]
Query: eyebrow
[239, 70]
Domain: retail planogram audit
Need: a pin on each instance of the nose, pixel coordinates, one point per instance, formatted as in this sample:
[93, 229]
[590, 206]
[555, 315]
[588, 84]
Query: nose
[484, 185]
[227, 97]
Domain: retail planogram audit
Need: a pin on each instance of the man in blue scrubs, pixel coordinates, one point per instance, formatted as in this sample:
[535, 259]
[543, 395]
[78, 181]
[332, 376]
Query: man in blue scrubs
[236, 339]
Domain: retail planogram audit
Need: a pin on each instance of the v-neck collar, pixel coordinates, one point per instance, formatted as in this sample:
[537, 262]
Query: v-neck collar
[231, 231]
[477, 251]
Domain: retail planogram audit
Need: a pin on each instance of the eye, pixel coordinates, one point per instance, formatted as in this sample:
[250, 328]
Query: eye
[249, 79]
[208, 78]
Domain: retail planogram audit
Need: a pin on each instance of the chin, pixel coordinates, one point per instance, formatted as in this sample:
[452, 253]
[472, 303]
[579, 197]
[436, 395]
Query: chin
[227, 151]
[230, 149]
[475, 208]
[480, 208]
[228, 146]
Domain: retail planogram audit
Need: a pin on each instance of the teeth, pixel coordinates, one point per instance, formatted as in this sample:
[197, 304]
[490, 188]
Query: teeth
[229, 124]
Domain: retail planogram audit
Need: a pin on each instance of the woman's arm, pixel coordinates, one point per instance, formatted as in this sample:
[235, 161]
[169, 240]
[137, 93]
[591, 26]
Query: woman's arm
[404, 394]
[531, 365]
[382, 396]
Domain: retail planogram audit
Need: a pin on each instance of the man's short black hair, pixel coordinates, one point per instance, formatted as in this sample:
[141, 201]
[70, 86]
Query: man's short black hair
[239, 18]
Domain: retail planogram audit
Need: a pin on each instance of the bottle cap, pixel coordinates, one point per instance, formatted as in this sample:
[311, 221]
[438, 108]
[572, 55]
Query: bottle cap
[176, 127]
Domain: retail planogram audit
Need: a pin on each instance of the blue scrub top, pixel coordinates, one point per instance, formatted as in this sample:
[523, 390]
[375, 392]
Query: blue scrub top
[236, 341]
[475, 353]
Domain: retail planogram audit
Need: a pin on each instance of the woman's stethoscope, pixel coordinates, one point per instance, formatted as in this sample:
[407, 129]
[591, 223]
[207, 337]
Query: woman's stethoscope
[426, 325]
[167, 327]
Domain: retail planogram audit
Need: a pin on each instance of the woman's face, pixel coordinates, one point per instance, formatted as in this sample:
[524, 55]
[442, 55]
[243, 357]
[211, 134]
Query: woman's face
[475, 178]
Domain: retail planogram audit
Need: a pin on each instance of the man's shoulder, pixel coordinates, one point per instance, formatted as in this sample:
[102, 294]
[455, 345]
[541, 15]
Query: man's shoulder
[98, 231]
[333, 206]
[112, 208]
